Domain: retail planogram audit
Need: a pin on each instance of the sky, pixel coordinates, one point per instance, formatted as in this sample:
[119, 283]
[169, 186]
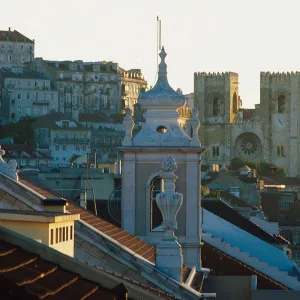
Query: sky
[241, 36]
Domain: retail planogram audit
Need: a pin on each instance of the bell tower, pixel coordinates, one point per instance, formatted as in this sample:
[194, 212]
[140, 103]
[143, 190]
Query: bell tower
[217, 98]
[143, 178]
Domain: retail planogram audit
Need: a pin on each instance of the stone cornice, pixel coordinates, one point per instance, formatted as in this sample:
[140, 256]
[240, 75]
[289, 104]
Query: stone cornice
[163, 149]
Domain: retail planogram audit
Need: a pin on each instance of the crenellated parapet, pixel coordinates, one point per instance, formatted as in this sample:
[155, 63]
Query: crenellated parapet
[278, 75]
[211, 75]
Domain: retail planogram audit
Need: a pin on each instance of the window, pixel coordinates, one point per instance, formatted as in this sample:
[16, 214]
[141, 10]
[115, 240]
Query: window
[45, 96]
[280, 151]
[216, 151]
[281, 104]
[51, 236]
[56, 147]
[64, 234]
[155, 214]
[71, 232]
[67, 233]
[28, 95]
[281, 218]
[19, 95]
[234, 103]
[77, 148]
[64, 147]
[9, 58]
[216, 107]
[285, 200]
[60, 234]
[56, 235]
[52, 96]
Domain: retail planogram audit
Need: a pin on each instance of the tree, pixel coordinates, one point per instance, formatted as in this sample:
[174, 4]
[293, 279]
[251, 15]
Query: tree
[21, 131]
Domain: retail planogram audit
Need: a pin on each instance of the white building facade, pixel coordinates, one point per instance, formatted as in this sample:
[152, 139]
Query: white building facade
[25, 94]
[15, 48]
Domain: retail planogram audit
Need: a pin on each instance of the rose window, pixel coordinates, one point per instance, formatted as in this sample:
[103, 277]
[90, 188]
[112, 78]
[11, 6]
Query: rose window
[248, 145]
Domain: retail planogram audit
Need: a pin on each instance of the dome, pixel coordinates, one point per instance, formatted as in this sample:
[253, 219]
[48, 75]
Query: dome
[161, 96]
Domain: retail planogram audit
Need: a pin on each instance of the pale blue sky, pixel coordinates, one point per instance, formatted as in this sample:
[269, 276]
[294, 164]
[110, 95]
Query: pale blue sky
[213, 35]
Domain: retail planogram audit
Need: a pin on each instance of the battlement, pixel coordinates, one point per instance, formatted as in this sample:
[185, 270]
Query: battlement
[214, 74]
[281, 75]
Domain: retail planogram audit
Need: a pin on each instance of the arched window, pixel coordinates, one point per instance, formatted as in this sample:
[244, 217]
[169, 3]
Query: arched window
[155, 214]
[278, 151]
[281, 104]
[216, 106]
[234, 103]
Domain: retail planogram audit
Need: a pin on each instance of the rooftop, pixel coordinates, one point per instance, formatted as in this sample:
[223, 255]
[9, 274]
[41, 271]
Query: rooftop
[121, 236]
[36, 216]
[24, 73]
[28, 272]
[13, 36]
[49, 121]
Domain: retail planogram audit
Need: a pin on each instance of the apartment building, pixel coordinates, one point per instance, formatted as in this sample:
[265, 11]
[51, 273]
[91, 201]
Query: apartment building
[92, 87]
[61, 136]
[15, 48]
[25, 93]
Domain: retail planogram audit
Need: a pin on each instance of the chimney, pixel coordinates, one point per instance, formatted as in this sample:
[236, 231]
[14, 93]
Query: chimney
[55, 204]
[9, 29]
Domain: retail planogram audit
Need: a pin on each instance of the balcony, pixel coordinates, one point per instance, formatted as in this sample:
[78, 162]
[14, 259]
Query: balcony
[71, 141]
[40, 102]
[10, 86]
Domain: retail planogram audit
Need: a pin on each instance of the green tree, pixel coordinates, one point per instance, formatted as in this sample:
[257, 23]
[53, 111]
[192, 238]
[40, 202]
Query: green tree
[21, 131]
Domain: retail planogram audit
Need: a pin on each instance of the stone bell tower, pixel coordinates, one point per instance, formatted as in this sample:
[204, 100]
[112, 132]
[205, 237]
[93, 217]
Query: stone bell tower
[143, 178]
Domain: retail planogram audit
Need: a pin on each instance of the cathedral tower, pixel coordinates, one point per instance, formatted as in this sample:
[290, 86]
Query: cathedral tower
[280, 113]
[142, 180]
[217, 99]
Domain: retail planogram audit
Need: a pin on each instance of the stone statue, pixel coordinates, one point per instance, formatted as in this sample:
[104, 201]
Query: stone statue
[10, 168]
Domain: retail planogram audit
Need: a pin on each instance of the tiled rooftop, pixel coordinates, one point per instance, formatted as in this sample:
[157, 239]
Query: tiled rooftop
[15, 36]
[28, 275]
[131, 242]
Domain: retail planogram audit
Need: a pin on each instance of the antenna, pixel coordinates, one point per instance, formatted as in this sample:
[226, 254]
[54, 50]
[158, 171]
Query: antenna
[158, 43]
[158, 37]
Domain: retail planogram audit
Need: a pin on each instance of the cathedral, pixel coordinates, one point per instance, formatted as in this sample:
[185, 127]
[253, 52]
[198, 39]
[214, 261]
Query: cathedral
[268, 133]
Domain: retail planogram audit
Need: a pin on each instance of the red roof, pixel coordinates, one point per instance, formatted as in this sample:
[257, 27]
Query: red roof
[14, 36]
[131, 242]
[27, 276]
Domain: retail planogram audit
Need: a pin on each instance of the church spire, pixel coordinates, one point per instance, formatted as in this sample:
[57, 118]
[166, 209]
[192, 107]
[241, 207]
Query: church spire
[161, 95]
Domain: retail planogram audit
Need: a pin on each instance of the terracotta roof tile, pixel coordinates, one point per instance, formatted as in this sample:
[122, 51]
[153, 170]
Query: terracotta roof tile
[42, 279]
[26, 274]
[131, 242]
[13, 36]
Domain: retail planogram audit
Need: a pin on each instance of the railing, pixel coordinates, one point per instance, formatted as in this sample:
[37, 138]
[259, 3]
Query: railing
[71, 141]
[37, 102]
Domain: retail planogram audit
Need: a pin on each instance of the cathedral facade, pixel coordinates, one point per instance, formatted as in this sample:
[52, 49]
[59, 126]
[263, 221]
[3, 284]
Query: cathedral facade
[268, 133]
